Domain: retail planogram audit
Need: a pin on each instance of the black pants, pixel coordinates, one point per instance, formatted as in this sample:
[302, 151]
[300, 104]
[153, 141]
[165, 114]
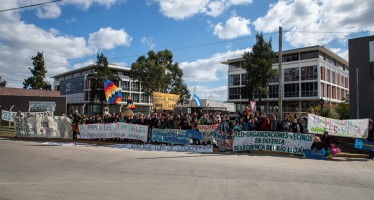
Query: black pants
[75, 135]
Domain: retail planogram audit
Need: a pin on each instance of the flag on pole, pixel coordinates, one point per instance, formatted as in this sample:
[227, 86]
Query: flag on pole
[112, 92]
[197, 100]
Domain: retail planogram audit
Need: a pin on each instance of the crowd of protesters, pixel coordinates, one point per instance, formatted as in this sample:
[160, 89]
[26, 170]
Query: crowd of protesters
[244, 120]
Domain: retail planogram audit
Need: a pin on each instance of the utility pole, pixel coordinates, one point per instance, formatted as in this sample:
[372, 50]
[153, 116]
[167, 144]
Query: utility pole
[280, 75]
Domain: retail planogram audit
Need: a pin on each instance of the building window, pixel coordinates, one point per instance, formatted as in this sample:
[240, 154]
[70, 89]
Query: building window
[124, 96]
[333, 92]
[275, 79]
[309, 55]
[235, 65]
[244, 79]
[328, 76]
[323, 91]
[126, 85]
[234, 93]
[328, 91]
[309, 73]
[346, 82]
[273, 91]
[291, 90]
[291, 57]
[144, 98]
[135, 87]
[135, 98]
[234, 80]
[291, 74]
[309, 89]
[322, 73]
[342, 81]
[338, 94]
[333, 78]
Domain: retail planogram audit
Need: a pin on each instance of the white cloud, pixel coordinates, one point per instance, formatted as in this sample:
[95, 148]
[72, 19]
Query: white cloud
[234, 27]
[212, 93]
[108, 38]
[340, 52]
[53, 10]
[19, 41]
[48, 11]
[207, 69]
[181, 9]
[148, 42]
[315, 22]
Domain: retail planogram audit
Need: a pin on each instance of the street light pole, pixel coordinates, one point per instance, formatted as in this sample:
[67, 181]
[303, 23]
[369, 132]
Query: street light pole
[321, 102]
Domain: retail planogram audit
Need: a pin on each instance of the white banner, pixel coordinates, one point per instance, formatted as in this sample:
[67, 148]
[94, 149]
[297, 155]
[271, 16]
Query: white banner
[37, 106]
[8, 116]
[294, 143]
[47, 127]
[180, 148]
[114, 130]
[355, 128]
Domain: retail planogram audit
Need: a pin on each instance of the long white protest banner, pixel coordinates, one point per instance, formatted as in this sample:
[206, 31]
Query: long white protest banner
[180, 148]
[294, 143]
[47, 127]
[354, 128]
[114, 130]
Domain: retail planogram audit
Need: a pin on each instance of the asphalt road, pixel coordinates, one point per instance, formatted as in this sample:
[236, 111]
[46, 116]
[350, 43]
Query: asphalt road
[30, 170]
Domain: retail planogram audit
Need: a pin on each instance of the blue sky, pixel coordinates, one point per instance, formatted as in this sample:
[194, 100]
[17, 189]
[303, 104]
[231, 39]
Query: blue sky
[200, 33]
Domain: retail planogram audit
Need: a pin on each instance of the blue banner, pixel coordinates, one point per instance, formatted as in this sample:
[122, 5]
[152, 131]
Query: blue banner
[364, 145]
[194, 134]
[315, 154]
[173, 136]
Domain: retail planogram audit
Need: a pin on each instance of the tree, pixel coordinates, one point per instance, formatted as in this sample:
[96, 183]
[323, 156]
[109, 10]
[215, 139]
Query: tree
[158, 73]
[2, 83]
[343, 109]
[258, 65]
[36, 81]
[102, 73]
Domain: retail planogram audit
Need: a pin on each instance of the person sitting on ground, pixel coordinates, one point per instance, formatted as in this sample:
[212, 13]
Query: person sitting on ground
[326, 139]
[318, 144]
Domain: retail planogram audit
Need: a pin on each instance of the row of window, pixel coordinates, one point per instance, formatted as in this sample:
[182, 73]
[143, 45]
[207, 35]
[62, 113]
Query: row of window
[290, 74]
[334, 77]
[309, 89]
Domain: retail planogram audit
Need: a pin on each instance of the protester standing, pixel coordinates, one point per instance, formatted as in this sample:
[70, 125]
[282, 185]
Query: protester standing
[76, 120]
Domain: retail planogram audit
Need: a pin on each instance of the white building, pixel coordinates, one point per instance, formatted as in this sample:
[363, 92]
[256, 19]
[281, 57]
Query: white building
[76, 87]
[309, 74]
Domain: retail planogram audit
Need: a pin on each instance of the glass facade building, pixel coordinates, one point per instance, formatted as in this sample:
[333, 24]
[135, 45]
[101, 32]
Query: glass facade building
[79, 86]
[309, 74]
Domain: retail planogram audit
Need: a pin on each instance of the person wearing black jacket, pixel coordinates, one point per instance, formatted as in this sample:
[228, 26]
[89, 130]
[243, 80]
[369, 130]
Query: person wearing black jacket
[371, 138]
[318, 144]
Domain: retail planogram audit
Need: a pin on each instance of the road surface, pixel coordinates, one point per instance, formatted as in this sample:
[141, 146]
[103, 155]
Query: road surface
[31, 170]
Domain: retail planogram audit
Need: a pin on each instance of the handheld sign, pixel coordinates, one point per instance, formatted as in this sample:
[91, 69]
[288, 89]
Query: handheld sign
[364, 145]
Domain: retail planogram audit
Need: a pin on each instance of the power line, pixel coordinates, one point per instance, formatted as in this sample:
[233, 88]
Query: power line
[204, 45]
[32, 5]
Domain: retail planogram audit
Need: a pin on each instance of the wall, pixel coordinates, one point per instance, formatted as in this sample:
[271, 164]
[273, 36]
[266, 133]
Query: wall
[359, 59]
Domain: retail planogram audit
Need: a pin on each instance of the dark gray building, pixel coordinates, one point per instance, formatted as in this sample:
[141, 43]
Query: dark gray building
[361, 76]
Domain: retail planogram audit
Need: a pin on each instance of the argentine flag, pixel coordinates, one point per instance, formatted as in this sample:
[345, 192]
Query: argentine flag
[196, 99]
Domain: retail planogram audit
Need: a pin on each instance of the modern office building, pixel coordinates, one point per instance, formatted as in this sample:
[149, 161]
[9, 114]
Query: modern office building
[361, 74]
[76, 86]
[309, 74]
